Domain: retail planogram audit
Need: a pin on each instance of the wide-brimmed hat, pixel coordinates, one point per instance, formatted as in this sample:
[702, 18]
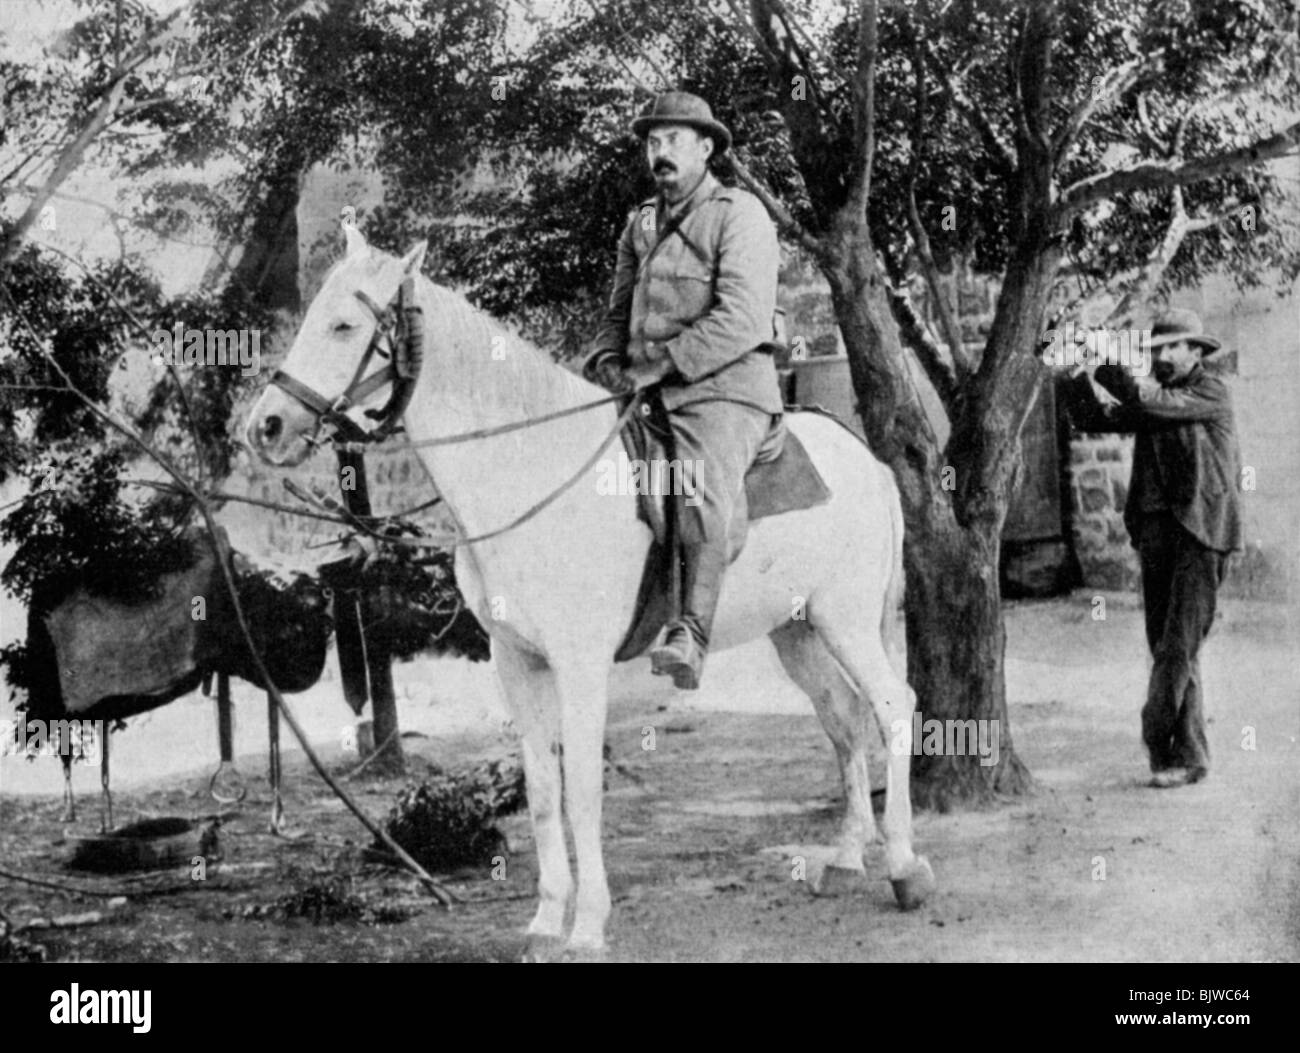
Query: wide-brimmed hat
[1182, 324]
[681, 107]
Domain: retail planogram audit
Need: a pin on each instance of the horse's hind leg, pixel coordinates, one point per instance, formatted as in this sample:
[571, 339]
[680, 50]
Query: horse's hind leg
[856, 643]
[534, 704]
[843, 714]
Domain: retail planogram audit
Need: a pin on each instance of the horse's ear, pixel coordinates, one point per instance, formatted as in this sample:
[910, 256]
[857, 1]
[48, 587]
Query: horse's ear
[414, 259]
[357, 246]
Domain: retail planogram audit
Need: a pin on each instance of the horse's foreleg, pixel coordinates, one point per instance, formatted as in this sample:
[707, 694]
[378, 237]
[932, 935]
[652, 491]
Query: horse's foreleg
[532, 700]
[582, 687]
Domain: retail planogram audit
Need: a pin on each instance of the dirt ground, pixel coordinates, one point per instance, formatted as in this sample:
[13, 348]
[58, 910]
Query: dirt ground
[699, 835]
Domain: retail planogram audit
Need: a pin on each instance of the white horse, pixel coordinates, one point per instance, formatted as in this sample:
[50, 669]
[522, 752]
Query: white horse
[556, 593]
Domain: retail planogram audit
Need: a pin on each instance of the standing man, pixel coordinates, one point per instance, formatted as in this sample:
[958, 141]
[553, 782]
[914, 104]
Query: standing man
[691, 312]
[1182, 516]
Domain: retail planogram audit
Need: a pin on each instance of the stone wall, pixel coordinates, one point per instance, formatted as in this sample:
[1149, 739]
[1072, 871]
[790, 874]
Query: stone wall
[1099, 474]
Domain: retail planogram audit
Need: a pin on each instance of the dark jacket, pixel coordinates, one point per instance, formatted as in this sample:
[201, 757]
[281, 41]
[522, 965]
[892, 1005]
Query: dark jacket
[703, 296]
[1185, 456]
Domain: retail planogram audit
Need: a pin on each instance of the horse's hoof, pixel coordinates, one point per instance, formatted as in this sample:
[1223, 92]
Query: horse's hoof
[916, 884]
[584, 951]
[543, 948]
[839, 881]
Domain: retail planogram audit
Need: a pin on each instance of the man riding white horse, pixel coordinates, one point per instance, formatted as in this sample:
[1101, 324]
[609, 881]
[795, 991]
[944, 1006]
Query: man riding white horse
[691, 314]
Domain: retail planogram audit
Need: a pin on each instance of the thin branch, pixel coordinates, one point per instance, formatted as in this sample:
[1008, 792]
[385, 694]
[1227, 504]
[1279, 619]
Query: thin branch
[781, 216]
[612, 17]
[1003, 155]
[1144, 121]
[774, 61]
[928, 353]
[1115, 84]
[109, 107]
[920, 239]
[796, 28]
[1154, 175]
[864, 107]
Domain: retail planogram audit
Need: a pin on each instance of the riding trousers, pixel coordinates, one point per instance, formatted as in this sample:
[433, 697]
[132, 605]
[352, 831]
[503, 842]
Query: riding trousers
[716, 441]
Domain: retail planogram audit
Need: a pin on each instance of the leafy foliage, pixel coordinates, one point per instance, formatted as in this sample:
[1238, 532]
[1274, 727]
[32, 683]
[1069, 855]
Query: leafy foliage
[449, 820]
[78, 532]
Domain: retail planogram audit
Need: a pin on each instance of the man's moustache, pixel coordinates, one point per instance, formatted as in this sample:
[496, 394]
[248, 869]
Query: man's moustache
[664, 166]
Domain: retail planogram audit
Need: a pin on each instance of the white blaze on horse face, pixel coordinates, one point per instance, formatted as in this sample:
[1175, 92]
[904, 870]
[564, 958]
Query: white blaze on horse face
[356, 242]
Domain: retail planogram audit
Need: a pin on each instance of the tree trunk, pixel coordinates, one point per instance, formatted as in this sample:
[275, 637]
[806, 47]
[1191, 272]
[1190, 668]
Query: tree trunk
[955, 632]
[956, 643]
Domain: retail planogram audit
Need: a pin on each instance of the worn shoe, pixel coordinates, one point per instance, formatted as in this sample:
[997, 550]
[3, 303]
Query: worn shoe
[1169, 778]
[679, 656]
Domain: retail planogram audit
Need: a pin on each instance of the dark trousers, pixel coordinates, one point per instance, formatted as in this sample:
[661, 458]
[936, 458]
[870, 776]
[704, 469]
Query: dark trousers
[1180, 580]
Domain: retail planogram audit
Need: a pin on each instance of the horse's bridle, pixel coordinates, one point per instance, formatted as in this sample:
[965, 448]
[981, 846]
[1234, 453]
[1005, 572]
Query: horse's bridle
[400, 326]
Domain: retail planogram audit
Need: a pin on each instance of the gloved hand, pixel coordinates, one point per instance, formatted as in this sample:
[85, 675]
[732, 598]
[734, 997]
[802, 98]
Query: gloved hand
[607, 371]
[644, 376]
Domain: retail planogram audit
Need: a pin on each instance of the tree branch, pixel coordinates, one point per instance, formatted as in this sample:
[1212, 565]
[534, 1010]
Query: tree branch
[920, 239]
[612, 17]
[864, 107]
[108, 109]
[1117, 82]
[1003, 155]
[795, 29]
[928, 353]
[781, 216]
[1033, 77]
[1154, 175]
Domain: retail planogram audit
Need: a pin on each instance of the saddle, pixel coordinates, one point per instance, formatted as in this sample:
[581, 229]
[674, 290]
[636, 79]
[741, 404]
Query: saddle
[782, 478]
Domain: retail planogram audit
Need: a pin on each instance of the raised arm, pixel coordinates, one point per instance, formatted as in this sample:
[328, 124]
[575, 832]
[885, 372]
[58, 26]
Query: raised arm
[1149, 401]
[1088, 413]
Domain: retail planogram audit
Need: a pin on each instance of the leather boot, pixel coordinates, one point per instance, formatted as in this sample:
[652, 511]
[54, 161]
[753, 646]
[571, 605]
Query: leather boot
[686, 642]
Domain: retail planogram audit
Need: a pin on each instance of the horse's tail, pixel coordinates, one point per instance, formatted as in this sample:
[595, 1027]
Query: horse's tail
[893, 622]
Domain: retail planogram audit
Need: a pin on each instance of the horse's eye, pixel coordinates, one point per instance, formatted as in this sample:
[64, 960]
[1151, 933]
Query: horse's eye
[343, 327]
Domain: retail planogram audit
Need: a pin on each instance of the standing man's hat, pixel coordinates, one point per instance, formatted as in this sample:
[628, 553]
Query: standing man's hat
[1181, 324]
[681, 107]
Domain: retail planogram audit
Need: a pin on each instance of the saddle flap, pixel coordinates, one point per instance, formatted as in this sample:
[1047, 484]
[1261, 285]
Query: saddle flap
[782, 478]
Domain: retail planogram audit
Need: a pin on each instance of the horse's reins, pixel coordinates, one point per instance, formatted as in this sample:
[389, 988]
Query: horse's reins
[401, 326]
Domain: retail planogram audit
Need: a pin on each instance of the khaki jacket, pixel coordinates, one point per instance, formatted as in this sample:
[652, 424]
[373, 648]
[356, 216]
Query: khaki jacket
[702, 295]
[1185, 455]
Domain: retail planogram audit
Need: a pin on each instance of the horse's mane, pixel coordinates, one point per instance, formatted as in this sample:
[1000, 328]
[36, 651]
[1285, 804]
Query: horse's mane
[507, 375]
